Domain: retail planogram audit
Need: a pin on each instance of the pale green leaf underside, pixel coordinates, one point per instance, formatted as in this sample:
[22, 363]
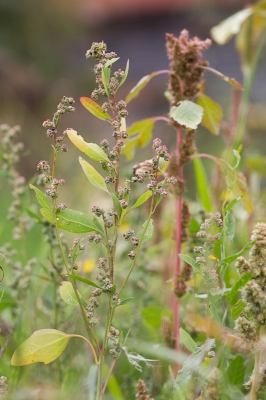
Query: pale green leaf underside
[44, 345]
[67, 294]
[93, 176]
[187, 114]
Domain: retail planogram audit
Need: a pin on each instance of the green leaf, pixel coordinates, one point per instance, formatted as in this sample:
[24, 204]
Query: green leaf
[95, 109]
[142, 199]
[141, 85]
[187, 114]
[232, 203]
[74, 221]
[229, 260]
[93, 176]
[90, 149]
[238, 285]
[125, 74]
[84, 280]
[6, 300]
[33, 215]
[236, 371]
[125, 301]
[98, 225]
[48, 215]
[105, 80]
[117, 204]
[189, 260]
[187, 340]
[41, 198]
[67, 294]
[153, 316]
[113, 385]
[229, 225]
[213, 114]
[223, 32]
[142, 135]
[191, 365]
[110, 62]
[148, 232]
[238, 309]
[202, 184]
[44, 346]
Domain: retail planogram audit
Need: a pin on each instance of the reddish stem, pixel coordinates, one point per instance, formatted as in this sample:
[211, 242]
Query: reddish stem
[176, 304]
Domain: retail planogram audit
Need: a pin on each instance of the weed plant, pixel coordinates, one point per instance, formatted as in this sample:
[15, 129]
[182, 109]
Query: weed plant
[156, 294]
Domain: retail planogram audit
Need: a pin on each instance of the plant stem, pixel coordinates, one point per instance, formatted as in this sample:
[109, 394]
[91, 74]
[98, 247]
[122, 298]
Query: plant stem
[176, 304]
[89, 343]
[88, 329]
[255, 375]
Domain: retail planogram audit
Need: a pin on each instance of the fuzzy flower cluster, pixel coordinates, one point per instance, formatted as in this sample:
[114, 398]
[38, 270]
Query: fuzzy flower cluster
[11, 153]
[114, 338]
[3, 386]
[185, 57]
[254, 292]
[130, 236]
[99, 53]
[65, 106]
[214, 385]
[75, 250]
[206, 235]
[142, 391]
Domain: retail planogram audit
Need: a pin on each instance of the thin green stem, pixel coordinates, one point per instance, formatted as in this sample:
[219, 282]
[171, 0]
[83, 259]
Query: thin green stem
[88, 328]
[89, 343]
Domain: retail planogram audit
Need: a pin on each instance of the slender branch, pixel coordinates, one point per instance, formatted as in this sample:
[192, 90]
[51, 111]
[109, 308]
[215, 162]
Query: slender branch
[176, 304]
[89, 343]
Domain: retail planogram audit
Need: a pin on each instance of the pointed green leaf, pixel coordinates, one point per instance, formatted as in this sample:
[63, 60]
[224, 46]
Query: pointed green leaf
[238, 308]
[187, 340]
[204, 191]
[117, 204]
[232, 203]
[229, 260]
[213, 114]
[90, 149]
[74, 221]
[48, 215]
[229, 225]
[44, 346]
[128, 299]
[41, 198]
[189, 260]
[110, 62]
[129, 149]
[148, 232]
[94, 108]
[125, 74]
[84, 280]
[223, 32]
[238, 285]
[93, 176]
[142, 199]
[105, 80]
[187, 114]
[67, 294]
[141, 85]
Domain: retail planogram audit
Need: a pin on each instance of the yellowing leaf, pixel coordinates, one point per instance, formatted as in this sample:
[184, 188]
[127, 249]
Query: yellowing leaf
[93, 176]
[141, 133]
[187, 114]
[213, 114]
[223, 32]
[90, 149]
[94, 108]
[44, 346]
